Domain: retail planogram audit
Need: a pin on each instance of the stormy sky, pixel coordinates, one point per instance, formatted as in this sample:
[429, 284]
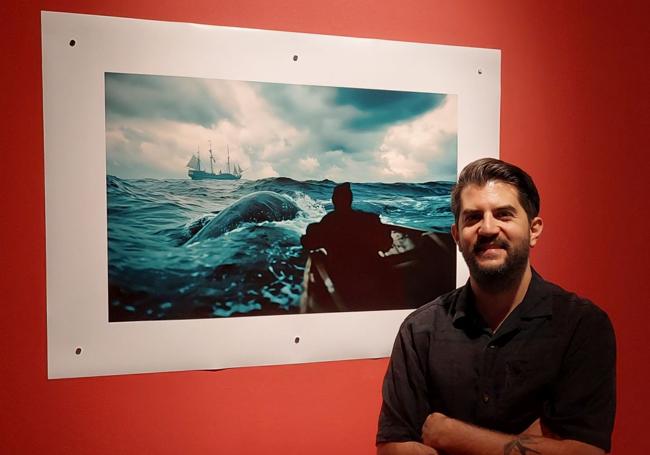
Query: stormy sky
[155, 123]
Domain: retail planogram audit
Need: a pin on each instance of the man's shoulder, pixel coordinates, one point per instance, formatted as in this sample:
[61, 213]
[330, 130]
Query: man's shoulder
[328, 216]
[348, 215]
[570, 306]
[429, 312]
[363, 215]
[330, 221]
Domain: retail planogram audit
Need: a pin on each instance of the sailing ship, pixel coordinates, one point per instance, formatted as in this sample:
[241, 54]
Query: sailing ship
[195, 172]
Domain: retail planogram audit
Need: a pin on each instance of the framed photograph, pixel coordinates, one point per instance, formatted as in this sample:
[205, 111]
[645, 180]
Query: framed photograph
[220, 197]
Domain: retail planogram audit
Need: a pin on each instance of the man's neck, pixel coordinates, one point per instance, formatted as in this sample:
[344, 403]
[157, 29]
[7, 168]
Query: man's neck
[495, 306]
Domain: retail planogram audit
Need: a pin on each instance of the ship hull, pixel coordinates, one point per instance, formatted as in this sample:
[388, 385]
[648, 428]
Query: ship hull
[202, 175]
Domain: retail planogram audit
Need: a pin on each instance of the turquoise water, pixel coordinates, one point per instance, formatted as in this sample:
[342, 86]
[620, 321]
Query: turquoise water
[253, 265]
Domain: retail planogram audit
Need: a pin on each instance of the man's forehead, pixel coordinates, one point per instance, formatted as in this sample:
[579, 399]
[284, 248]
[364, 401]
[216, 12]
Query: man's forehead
[495, 193]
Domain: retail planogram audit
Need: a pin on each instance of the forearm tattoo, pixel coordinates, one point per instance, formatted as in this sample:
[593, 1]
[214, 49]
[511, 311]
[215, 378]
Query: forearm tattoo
[519, 446]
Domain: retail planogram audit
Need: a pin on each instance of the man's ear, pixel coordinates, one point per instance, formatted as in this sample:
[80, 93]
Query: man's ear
[536, 228]
[454, 234]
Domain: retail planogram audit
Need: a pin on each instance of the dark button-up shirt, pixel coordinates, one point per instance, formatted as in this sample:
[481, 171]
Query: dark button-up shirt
[552, 358]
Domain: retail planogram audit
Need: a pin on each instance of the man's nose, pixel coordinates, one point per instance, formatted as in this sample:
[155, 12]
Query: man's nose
[488, 226]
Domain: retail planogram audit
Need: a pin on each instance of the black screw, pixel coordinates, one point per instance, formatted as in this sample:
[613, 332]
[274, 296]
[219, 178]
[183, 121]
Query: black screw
[72, 43]
[295, 58]
[77, 351]
[296, 340]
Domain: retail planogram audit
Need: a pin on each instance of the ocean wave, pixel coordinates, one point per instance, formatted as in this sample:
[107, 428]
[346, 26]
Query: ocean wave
[255, 264]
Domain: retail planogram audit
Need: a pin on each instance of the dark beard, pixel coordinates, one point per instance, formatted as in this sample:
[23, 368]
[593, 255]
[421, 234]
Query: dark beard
[501, 278]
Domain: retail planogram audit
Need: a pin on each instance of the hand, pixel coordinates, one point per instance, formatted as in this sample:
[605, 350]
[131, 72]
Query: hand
[435, 428]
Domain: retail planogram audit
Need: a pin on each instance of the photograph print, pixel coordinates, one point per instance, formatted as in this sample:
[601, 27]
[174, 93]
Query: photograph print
[232, 198]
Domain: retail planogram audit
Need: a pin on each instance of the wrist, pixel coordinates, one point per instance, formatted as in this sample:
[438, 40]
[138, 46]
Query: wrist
[448, 432]
[439, 431]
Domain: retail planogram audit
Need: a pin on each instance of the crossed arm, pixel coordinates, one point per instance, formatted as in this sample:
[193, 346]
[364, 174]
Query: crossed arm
[581, 402]
[442, 435]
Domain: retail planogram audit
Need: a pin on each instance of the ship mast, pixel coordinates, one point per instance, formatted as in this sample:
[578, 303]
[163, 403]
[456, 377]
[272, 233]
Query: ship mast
[228, 150]
[211, 158]
[198, 156]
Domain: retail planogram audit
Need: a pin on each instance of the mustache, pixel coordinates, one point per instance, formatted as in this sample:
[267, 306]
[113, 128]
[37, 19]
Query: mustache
[483, 243]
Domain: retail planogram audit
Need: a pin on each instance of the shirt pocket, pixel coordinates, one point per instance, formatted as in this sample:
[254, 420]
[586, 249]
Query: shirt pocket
[517, 371]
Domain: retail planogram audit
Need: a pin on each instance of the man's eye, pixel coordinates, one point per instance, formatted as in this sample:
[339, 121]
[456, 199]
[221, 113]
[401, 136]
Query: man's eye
[504, 215]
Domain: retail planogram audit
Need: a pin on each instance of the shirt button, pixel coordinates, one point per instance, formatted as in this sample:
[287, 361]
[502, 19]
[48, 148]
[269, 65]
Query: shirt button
[492, 346]
[486, 398]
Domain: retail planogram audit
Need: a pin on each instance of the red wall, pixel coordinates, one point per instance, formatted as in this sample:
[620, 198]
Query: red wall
[574, 106]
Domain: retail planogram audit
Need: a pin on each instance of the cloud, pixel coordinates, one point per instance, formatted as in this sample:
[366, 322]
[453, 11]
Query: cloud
[180, 99]
[301, 132]
[378, 108]
[263, 171]
[152, 148]
[308, 164]
[316, 114]
[425, 146]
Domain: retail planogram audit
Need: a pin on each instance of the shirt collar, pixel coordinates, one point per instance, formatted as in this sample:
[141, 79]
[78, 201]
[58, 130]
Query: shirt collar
[534, 305]
[463, 311]
[536, 302]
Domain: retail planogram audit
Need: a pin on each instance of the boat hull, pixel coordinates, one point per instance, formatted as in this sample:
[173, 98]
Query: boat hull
[419, 267]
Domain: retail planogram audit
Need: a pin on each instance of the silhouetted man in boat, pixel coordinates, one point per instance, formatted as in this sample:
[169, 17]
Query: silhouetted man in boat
[352, 240]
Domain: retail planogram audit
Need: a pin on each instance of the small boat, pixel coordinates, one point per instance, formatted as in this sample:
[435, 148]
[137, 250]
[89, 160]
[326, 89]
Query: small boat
[419, 267]
[196, 173]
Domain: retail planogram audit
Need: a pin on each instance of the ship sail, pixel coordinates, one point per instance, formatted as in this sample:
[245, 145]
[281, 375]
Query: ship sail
[193, 163]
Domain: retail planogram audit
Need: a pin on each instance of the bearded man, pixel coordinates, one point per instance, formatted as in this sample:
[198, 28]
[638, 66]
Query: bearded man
[508, 363]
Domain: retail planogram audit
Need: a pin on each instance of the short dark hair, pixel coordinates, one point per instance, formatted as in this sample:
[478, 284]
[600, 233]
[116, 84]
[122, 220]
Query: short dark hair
[481, 171]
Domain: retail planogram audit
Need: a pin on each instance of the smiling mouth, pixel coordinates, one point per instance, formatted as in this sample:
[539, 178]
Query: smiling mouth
[492, 246]
[488, 251]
